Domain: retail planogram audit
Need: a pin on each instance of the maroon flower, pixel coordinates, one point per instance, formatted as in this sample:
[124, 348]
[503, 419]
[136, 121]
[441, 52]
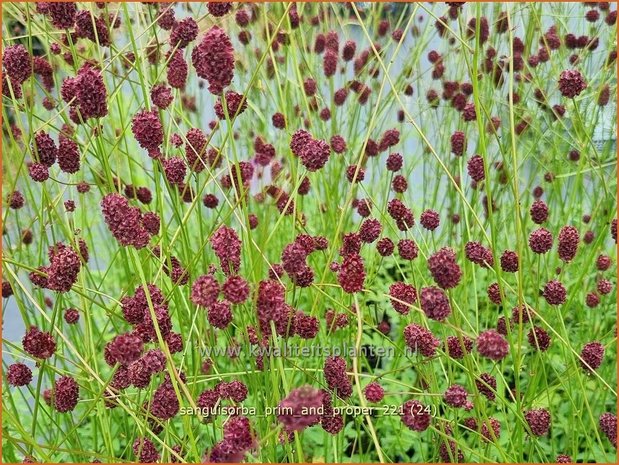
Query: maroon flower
[161, 95]
[444, 269]
[309, 86]
[305, 326]
[242, 17]
[213, 59]
[370, 230]
[402, 297]
[385, 247]
[64, 267]
[603, 262]
[145, 450]
[164, 404]
[315, 154]
[279, 120]
[492, 345]
[236, 289]
[125, 222]
[348, 51]
[18, 375]
[301, 408]
[219, 314]
[235, 105]
[554, 292]
[16, 200]
[604, 286]
[338, 144]
[125, 348]
[45, 149]
[394, 162]
[17, 63]
[38, 172]
[435, 303]
[509, 261]
[390, 138]
[522, 314]
[568, 243]
[538, 421]
[154, 360]
[407, 249]
[9, 85]
[62, 14]
[455, 396]
[571, 83]
[177, 70]
[479, 254]
[468, 112]
[90, 93]
[490, 430]
[457, 347]
[592, 300]
[608, 425]
[183, 32]
[351, 275]
[147, 130]
[486, 385]
[329, 63]
[591, 356]
[430, 220]
[538, 338]
[90, 27]
[210, 201]
[336, 377]
[219, 9]
[475, 168]
[166, 18]
[458, 143]
[227, 246]
[175, 170]
[65, 394]
[420, 339]
[374, 392]
[540, 240]
[415, 415]
[355, 173]
[68, 155]
[71, 316]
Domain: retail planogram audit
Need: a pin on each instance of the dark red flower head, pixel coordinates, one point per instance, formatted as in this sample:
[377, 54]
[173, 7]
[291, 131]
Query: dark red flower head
[415, 415]
[402, 297]
[65, 394]
[554, 292]
[568, 243]
[492, 345]
[421, 340]
[434, 303]
[571, 83]
[126, 223]
[227, 246]
[17, 63]
[19, 374]
[591, 356]
[301, 408]
[538, 421]
[444, 268]
[147, 130]
[213, 59]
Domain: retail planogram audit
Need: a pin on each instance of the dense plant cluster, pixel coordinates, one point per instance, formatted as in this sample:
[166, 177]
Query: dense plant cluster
[291, 232]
